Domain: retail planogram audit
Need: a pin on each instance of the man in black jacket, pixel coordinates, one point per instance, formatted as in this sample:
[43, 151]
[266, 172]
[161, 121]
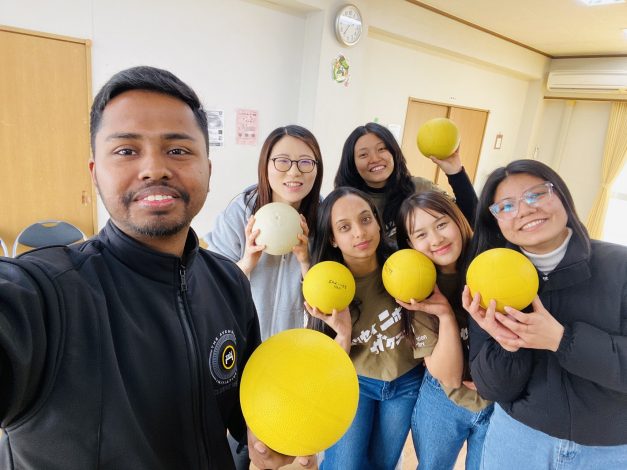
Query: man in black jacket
[126, 351]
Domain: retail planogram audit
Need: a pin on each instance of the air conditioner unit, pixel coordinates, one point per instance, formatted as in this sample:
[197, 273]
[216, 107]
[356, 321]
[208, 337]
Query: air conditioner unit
[594, 81]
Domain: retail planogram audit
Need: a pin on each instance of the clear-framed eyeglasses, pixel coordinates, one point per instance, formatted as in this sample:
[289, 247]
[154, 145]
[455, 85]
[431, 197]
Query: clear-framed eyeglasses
[304, 165]
[537, 196]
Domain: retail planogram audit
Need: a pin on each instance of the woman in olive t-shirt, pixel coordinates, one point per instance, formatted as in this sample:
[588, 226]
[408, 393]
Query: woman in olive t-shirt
[386, 343]
[444, 417]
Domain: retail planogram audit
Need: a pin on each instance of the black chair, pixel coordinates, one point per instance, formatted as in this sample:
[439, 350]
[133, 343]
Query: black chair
[46, 233]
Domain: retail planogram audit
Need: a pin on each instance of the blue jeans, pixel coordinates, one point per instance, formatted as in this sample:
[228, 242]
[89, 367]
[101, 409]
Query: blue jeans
[439, 428]
[376, 437]
[513, 445]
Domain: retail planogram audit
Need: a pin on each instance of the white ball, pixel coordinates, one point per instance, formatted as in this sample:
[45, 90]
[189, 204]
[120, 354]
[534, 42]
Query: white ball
[279, 227]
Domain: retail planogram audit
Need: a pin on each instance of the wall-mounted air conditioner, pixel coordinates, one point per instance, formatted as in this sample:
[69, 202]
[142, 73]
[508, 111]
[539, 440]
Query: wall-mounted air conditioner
[588, 81]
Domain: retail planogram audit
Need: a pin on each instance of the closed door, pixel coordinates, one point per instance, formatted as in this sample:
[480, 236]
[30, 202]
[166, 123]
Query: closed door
[44, 131]
[419, 112]
[471, 124]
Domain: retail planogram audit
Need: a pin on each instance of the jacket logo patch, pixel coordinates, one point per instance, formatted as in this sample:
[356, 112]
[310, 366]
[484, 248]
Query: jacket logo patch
[228, 357]
[223, 358]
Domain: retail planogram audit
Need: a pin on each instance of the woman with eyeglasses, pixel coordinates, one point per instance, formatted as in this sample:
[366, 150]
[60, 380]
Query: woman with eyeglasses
[373, 162]
[290, 171]
[558, 372]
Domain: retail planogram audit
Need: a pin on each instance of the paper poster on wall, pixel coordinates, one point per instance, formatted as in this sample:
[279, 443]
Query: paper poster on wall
[246, 126]
[215, 123]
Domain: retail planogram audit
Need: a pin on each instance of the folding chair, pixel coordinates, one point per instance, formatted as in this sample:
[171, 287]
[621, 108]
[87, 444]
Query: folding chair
[46, 233]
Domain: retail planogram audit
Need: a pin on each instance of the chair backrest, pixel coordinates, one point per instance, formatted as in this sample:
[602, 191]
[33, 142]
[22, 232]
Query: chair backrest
[3, 247]
[46, 233]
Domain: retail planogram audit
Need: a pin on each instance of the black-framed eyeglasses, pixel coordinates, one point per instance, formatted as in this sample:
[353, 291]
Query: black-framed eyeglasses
[304, 165]
[506, 209]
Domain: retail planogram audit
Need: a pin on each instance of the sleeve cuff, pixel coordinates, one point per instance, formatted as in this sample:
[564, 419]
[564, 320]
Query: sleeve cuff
[458, 174]
[566, 341]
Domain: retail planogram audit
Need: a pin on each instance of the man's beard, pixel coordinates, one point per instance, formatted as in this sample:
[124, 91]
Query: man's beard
[156, 227]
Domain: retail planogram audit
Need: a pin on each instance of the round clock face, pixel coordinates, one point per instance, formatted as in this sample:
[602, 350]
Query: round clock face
[348, 25]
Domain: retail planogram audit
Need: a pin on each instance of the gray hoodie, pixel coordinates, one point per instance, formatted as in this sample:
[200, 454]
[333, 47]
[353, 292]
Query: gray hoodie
[275, 281]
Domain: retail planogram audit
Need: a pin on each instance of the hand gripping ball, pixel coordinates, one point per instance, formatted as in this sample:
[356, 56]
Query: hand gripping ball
[299, 392]
[279, 227]
[504, 275]
[438, 137]
[329, 285]
[408, 274]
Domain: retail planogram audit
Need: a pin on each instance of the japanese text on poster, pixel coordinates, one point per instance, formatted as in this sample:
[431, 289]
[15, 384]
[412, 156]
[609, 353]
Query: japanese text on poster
[246, 126]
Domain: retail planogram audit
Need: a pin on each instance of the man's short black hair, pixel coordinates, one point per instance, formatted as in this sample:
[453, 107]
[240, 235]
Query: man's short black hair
[148, 79]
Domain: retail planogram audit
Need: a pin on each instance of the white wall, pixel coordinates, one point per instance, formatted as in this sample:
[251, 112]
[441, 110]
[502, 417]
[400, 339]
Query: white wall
[571, 141]
[276, 57]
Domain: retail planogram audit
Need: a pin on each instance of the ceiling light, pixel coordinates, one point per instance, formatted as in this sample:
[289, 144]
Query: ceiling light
[592, 3]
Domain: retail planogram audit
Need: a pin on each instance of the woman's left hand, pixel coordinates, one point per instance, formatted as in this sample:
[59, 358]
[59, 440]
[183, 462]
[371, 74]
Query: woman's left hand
[301, 250]
[436, 304]
[535, 330]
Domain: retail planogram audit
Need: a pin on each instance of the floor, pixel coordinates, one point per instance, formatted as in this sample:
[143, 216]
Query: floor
[408, 461]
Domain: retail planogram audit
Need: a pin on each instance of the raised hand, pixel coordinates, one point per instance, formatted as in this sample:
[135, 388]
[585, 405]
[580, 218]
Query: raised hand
[450, 165]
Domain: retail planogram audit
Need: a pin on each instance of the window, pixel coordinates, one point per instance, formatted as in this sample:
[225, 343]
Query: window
[615, 229]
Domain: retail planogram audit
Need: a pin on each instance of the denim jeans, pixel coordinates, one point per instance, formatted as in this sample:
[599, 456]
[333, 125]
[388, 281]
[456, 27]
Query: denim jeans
[513, 445]
[239, 453]
[376, 437]
[439, 428]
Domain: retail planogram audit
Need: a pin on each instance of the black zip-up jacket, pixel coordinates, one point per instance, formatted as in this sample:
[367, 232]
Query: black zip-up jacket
[579, 392]
[115, 356]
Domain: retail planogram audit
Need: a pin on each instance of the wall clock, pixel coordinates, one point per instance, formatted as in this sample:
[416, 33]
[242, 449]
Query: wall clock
[348, 25]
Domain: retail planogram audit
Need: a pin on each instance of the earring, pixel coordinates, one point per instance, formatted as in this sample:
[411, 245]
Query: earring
[334, 245]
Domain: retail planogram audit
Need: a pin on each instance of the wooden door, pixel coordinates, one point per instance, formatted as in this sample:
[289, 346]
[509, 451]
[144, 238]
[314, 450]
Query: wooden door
[419, 112]
[45, 95]
[471, 124]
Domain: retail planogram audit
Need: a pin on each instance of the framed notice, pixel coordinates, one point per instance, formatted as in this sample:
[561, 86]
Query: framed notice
[215, 123]
[246, 126]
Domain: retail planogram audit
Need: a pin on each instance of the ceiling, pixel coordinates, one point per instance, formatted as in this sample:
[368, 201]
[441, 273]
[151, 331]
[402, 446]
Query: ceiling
[557, 28]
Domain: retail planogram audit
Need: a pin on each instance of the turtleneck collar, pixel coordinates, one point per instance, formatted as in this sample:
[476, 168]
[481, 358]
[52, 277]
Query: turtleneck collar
[147, 262]
[547, 262]
[371, 190]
